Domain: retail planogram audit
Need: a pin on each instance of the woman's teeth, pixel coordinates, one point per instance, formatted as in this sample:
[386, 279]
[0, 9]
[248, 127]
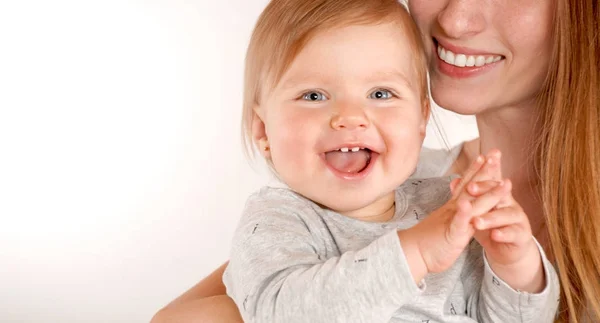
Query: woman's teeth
[462, 60]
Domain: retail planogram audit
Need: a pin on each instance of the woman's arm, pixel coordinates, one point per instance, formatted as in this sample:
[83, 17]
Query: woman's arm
[211, 285]
[204, 302]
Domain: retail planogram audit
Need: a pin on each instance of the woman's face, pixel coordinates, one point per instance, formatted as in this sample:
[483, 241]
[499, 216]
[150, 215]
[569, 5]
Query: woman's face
[485, 54]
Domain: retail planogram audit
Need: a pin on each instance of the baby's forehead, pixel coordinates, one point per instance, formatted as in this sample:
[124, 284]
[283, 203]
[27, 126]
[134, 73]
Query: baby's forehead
[367, 53]
[299, 77]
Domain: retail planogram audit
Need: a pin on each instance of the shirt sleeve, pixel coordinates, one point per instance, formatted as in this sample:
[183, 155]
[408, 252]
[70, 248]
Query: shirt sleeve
[277, 274]
[493, 300]
[435, 162]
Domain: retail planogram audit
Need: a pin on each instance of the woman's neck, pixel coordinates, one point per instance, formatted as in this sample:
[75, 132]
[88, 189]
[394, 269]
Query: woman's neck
[513, 130]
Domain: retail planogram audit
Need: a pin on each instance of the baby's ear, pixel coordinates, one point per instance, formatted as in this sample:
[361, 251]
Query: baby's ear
[259, 133]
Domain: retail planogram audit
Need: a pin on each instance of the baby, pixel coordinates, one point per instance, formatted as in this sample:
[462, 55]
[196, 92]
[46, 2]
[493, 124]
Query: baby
[336, 101]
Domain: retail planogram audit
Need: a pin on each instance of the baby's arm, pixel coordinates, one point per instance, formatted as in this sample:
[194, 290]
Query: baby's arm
[518, 283]
[278, 272]
[491, 299]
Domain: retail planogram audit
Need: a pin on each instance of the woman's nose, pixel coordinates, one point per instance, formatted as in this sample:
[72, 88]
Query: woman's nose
[462, 18]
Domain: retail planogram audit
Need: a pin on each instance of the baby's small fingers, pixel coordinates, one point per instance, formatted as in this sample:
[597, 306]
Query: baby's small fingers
[483, 169]
[461, 221]
[491, 169]
[507, 200]
[479, 188]
[500, 218]
[486, 202]
[467, 176]
[508, 234]
[453, 184]
[494, 169]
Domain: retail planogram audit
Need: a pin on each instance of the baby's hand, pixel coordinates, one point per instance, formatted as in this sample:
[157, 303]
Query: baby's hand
[505, 234]
[435, 243]
[490, 171]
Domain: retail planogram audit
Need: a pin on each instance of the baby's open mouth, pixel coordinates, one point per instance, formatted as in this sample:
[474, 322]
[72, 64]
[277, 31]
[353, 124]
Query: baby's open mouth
[350, 160]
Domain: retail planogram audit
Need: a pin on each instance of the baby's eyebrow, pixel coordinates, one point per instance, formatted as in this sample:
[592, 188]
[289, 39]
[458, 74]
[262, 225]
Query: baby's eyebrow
[308, 78]
[393, 76]
[304, 78]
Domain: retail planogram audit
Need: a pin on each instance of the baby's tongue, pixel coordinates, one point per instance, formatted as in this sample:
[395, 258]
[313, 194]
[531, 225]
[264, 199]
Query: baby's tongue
[350, 162]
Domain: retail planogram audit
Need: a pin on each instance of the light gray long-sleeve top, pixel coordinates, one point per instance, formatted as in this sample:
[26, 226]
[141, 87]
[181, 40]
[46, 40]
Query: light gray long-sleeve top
[293, 261]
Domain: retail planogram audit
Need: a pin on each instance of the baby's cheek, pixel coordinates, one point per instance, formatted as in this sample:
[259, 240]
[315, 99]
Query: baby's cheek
[404, 146]
[403, 131]
[289, 148]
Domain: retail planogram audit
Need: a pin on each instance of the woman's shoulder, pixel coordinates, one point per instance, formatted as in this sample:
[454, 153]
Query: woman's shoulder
[436, 162]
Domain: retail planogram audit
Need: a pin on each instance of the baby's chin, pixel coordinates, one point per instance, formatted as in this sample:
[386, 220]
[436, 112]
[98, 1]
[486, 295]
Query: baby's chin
[342, 205]
[364, 208]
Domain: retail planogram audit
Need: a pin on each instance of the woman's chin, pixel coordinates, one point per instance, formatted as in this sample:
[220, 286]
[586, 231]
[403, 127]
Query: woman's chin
[459, 103]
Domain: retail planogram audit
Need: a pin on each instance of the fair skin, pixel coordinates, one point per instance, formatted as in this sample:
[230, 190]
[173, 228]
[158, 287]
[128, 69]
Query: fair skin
[320, 107]
[498, 224]
[502, 97]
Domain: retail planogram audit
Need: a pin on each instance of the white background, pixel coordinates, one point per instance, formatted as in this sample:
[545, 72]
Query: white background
[121, 170]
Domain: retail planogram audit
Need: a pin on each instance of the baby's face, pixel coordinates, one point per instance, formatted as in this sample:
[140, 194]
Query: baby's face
[345, 124]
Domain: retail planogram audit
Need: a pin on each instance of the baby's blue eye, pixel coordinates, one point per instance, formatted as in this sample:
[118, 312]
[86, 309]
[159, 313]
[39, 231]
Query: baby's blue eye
[381, 95]
[313, 96]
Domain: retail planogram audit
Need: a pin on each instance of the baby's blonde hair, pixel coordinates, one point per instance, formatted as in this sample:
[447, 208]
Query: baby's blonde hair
[286, 26]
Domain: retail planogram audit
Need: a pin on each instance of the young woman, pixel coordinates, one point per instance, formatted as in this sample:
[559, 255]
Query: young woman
[529, 71]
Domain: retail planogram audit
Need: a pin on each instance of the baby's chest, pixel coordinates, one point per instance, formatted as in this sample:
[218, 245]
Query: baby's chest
[341, 239]
[444, 300]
